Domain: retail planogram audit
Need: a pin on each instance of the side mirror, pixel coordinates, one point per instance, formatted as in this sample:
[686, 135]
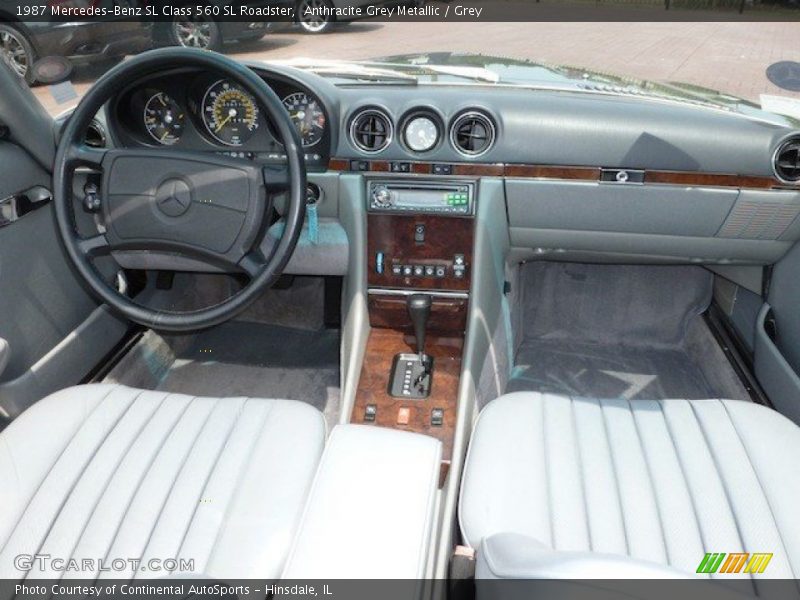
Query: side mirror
[51, 70]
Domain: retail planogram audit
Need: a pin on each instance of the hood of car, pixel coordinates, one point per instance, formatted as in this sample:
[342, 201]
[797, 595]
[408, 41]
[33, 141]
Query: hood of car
[511, 71]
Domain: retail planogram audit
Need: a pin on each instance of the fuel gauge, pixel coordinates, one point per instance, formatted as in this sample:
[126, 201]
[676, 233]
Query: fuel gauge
[164, 119]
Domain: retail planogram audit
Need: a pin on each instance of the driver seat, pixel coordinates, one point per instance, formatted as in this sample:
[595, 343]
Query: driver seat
[109, 471]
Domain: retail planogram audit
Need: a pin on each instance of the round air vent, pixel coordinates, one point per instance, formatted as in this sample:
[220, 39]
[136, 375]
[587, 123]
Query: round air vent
[472, 133]
[371, 130]
[787, 160]
[95, 135]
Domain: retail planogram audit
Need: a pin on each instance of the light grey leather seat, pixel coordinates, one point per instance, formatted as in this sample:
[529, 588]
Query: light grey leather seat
[559, 487]
[106, 471]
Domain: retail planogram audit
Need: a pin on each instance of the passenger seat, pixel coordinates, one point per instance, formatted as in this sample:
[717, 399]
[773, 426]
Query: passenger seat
[574, 488]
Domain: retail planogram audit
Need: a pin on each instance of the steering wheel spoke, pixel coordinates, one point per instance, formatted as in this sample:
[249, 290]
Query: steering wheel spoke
[81, 155]
[276, 178]
[253, 263]
[94, 245]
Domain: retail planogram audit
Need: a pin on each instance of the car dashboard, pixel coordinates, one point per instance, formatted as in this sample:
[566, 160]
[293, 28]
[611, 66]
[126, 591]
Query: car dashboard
[586, 173]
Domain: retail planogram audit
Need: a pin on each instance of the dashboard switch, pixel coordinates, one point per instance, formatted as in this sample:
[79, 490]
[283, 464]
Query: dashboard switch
[91, 198]
[442, 169]
[419, 233]
[403, 416]
[379, 263]
[437, 417]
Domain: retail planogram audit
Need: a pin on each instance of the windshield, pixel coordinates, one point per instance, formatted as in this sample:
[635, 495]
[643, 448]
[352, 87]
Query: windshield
[741, 66]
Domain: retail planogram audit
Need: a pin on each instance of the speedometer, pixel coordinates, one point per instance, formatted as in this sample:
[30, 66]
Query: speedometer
[229, 113]
[307, 116]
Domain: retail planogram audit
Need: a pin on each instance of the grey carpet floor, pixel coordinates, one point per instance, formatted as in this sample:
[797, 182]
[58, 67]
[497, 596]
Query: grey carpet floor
[254, 359]
[606, 371]
[611, 331]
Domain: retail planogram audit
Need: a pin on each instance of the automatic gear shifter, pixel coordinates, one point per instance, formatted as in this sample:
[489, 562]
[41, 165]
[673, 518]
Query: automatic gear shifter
[412, 373]
[419, 309]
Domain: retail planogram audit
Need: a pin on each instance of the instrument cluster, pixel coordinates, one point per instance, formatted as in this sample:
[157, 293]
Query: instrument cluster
[198, 111]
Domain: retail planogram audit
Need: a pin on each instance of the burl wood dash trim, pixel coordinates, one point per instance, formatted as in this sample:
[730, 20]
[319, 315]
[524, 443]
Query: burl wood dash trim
[709, 179]
[448, 315]
[566, 172]
[445, 236]
[373, 386]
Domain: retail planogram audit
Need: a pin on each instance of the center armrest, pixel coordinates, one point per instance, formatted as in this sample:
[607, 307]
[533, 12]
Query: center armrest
[371, 510]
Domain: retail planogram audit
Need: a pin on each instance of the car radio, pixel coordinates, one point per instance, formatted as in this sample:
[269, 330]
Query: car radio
[454, 198]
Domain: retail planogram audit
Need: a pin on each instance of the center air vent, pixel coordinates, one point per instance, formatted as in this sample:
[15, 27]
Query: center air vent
[787, 160]
[472, 133]
[371, 130]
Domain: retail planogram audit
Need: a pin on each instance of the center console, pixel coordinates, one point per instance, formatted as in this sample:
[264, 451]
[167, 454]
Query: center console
[419, 259]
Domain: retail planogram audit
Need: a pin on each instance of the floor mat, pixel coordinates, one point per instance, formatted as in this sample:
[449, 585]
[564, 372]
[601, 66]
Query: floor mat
[614, 331]
[604, 371]
[318, 387]
[254, 359]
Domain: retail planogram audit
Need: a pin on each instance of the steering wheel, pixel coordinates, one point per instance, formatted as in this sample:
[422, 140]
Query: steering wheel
[161, 204]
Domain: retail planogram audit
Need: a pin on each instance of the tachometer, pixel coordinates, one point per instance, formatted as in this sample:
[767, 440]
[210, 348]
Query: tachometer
[229, 113]
[163, 119]
[307, 116]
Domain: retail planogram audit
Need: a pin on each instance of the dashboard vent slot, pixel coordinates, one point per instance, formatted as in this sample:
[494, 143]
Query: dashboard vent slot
[787, 161]
[371, 130]
[95, 135]
[472, 133]
[758, 220]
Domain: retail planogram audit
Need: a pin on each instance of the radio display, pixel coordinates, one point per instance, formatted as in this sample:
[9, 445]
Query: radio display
[418, 198]
[387, 196]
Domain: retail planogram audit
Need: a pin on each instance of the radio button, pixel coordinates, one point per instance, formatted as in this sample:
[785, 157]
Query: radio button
[430, 271]
[419, 270]
[441, 271]
[382, 197]
[407, 270]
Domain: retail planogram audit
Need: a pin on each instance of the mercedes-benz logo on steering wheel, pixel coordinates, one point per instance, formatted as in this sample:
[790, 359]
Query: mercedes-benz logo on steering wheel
[173, 197]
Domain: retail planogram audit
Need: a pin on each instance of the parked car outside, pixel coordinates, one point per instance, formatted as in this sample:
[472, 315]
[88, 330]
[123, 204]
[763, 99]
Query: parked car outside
[182, 23]
[81, 42]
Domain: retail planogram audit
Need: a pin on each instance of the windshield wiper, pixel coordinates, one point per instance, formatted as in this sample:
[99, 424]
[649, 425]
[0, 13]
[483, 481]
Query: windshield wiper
[392, 72]
[464, 72]
[351, 70]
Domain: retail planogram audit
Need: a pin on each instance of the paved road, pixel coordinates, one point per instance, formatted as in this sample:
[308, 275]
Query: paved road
[731, 57]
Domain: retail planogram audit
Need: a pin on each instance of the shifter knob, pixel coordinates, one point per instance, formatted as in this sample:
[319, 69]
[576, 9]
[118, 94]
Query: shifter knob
[419, 309]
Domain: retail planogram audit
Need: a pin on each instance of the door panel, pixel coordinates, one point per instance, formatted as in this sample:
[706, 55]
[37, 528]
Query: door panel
[54, 329]
[777, 353]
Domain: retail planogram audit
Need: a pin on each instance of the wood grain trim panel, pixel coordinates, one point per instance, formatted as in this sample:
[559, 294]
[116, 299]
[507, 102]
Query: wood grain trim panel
[709, 179]
[573, 173]
[448, 315]
[382, 345]
[393, 235]
[547, 172]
